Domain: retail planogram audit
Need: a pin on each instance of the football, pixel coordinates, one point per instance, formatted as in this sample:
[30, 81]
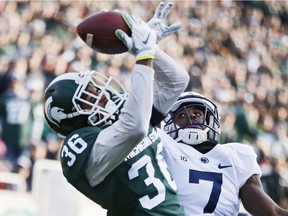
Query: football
[98, 32]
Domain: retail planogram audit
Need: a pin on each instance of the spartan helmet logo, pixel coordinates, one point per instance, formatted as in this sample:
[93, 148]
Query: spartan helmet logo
[54, 114]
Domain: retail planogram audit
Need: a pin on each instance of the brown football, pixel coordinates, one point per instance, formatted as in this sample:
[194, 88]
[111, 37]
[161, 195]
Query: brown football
[98, 32]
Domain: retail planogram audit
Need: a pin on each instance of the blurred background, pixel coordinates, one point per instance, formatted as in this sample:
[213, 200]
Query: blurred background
[236, 53]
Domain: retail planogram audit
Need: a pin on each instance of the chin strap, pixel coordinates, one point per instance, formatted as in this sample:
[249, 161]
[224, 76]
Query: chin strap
[68, 116]
[192, 136]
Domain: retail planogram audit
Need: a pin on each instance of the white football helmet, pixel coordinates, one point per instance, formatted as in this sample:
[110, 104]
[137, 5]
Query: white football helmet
[72, 101]
[208, 130]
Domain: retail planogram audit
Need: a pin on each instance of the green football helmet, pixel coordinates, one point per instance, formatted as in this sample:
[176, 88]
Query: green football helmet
[74, 100]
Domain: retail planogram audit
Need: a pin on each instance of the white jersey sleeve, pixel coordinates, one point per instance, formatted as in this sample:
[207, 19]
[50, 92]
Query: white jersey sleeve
[245, 159]
[209, 184]
[171, 79]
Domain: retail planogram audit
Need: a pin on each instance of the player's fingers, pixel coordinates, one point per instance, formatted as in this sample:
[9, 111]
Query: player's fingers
[174, 27]
[103, 10]
[158, 10]
[121, 35]
[166, 10]
[137, 20]
[128, 20]
[116, 10]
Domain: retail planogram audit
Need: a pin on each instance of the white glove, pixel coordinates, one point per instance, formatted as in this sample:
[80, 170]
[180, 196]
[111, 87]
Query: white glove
[142, 44]
[156, 22]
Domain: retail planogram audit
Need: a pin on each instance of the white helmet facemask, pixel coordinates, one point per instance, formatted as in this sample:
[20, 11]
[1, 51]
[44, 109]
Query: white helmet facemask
[107, 87]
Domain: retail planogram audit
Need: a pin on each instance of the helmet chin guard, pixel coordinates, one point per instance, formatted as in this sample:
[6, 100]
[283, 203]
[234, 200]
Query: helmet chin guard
[192, 136]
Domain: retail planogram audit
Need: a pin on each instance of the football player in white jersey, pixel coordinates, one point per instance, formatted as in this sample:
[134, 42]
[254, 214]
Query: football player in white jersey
[211, 178]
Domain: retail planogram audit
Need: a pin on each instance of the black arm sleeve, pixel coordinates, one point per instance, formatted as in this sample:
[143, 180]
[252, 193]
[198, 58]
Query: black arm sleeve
[156, 117]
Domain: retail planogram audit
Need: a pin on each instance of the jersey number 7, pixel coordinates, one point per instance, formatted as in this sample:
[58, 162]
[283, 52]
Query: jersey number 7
[216, 178]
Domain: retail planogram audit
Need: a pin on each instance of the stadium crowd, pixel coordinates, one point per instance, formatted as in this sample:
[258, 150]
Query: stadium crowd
[236, 53]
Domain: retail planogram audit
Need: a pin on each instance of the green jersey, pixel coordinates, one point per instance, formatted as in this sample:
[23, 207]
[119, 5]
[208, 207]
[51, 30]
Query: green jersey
[140, 185]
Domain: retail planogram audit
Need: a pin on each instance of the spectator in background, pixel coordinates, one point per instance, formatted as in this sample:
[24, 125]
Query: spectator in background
[14, 114]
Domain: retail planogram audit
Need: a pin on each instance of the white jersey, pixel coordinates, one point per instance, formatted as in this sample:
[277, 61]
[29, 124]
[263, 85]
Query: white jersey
[209, 184]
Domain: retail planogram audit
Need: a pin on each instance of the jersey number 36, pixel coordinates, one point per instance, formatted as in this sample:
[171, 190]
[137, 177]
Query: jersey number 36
[77, 145]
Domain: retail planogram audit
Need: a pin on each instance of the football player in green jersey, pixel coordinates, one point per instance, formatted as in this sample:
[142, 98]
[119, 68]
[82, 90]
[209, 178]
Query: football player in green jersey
[111, 152]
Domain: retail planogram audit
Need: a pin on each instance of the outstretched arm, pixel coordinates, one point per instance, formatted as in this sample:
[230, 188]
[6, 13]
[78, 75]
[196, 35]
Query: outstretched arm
[170, 81]
[114, 143]
[170, 78]
[257, 202]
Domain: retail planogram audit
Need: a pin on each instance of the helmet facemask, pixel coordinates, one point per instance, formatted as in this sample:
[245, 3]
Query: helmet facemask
[193, 131]
[100, 98]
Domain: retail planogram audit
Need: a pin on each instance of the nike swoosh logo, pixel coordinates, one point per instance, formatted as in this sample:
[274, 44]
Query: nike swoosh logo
[223, 166]
[145, 41]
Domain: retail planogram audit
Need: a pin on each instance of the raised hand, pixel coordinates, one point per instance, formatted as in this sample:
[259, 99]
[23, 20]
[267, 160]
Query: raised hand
[142, 43]
[157, 21]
